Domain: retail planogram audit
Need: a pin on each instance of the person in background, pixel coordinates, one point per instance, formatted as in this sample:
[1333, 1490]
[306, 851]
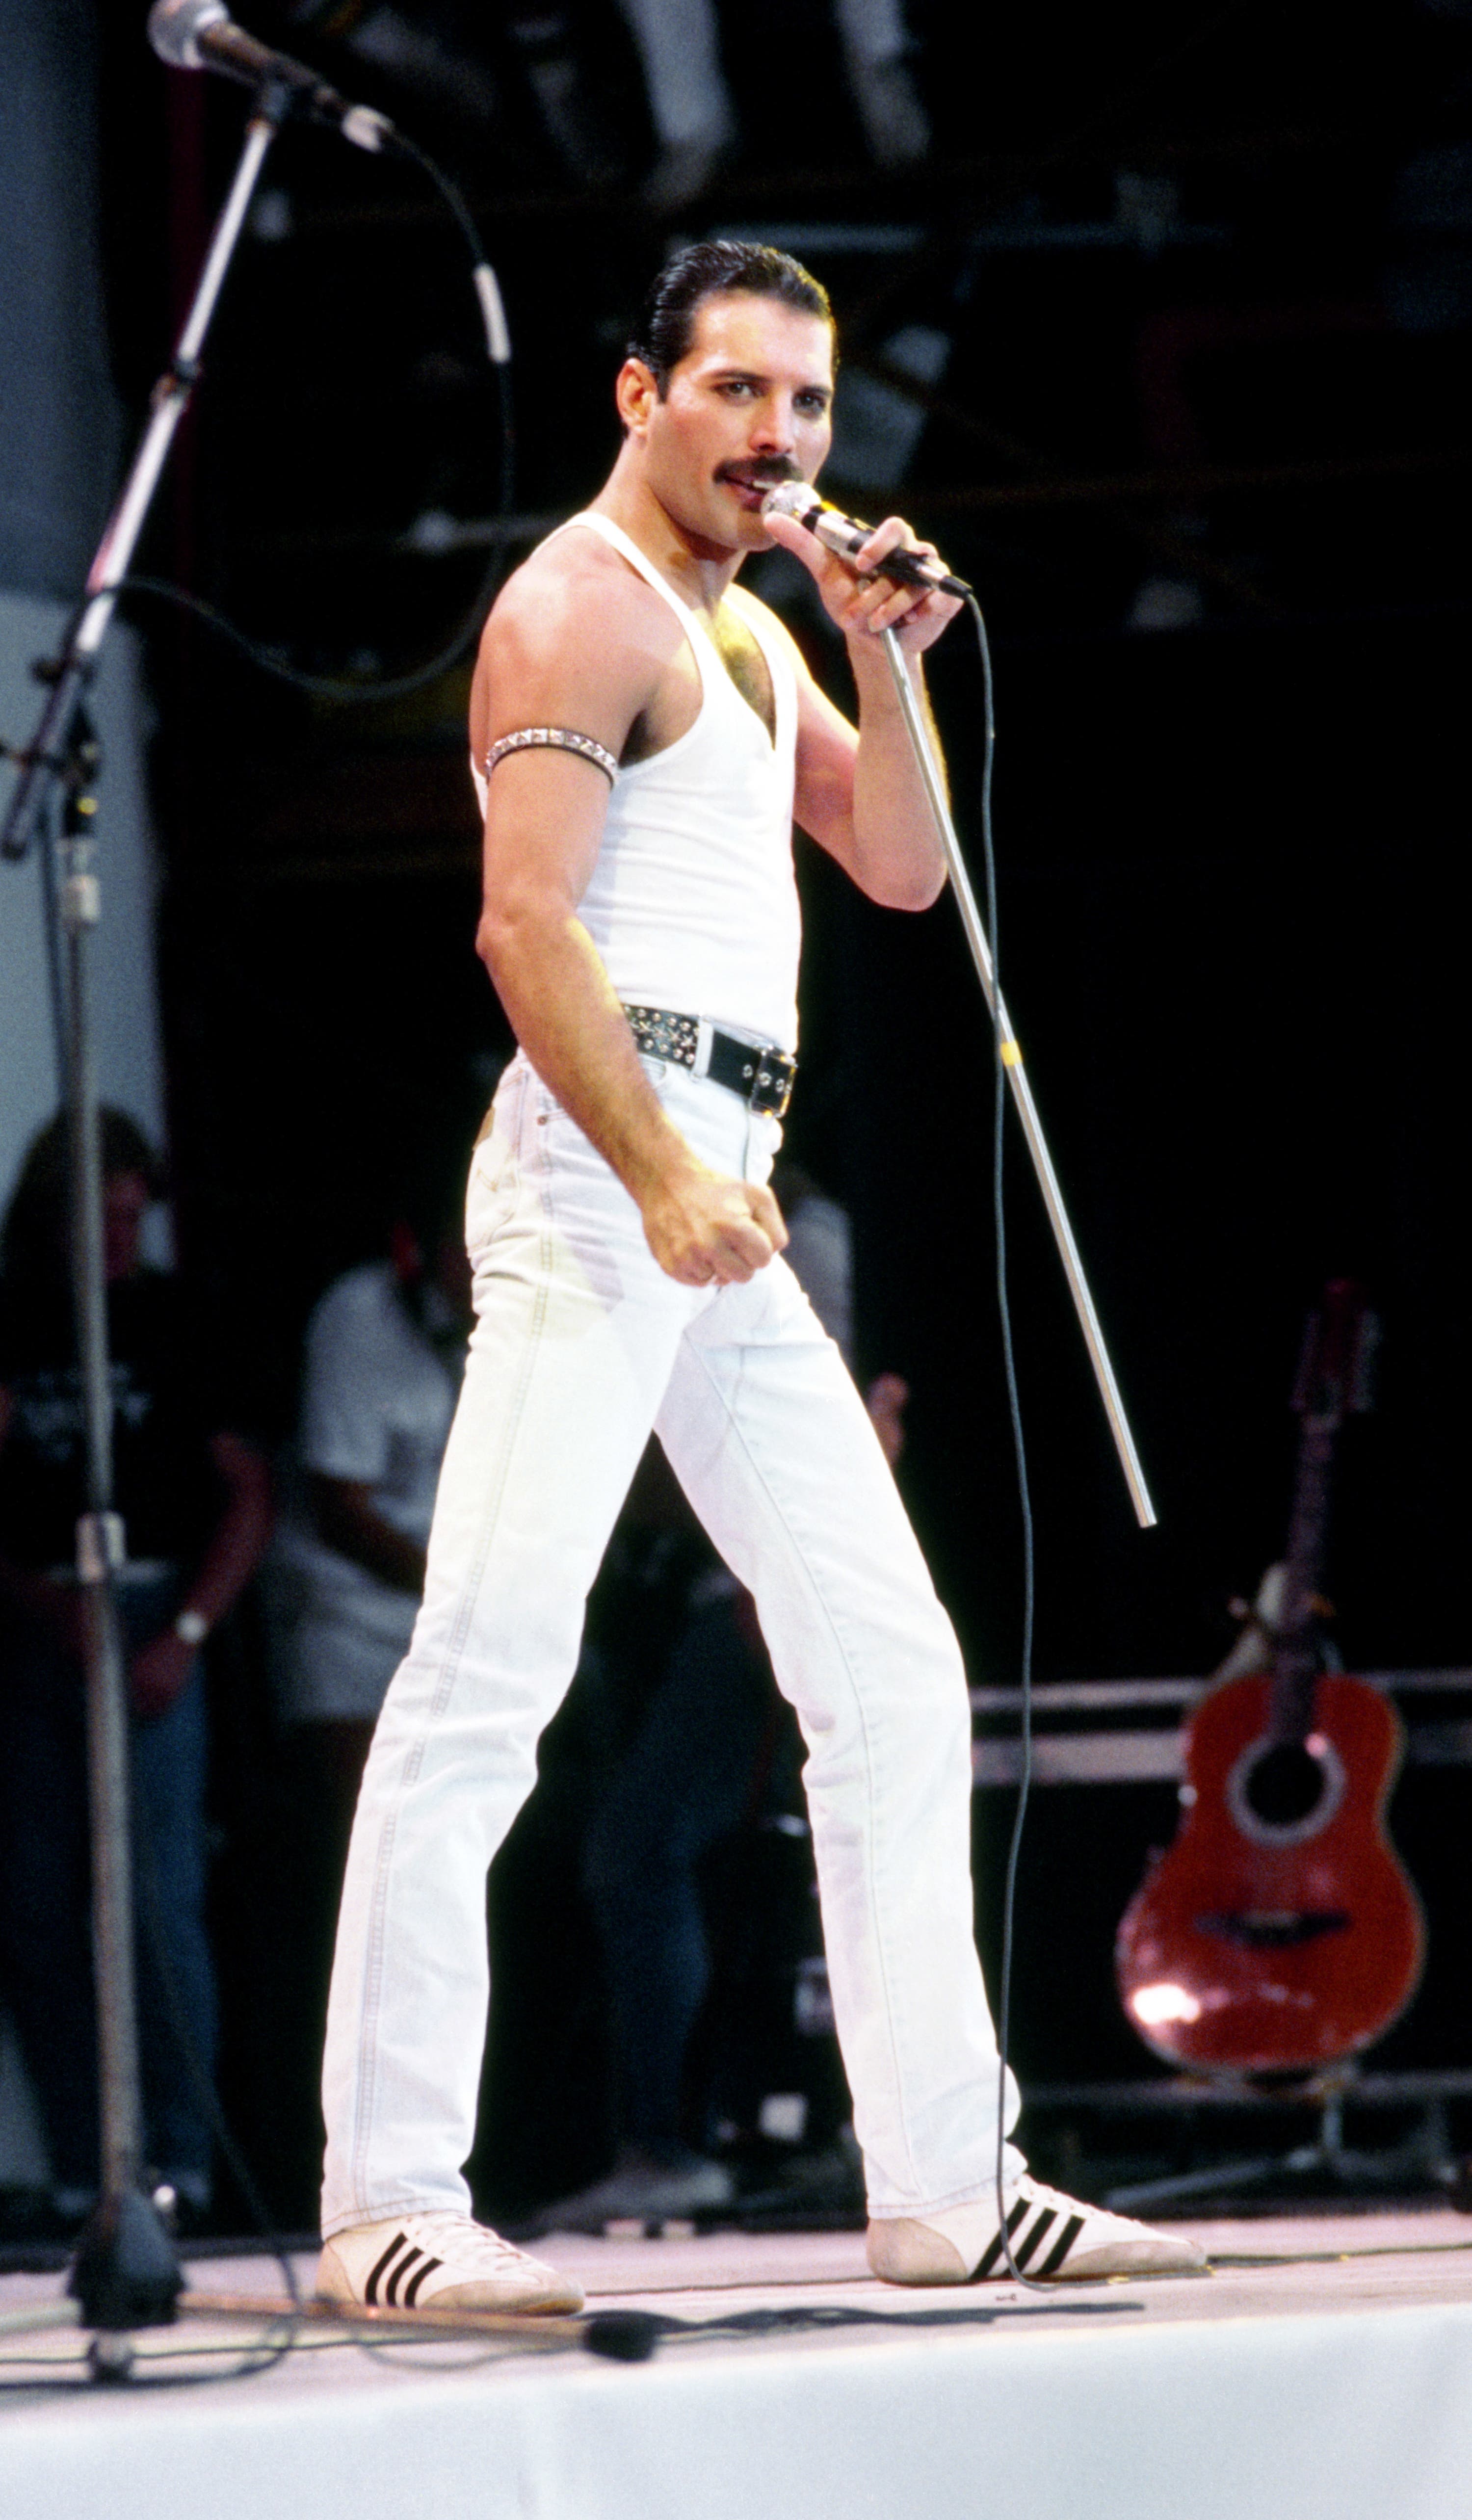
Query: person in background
[385, 1353]
[194, 1498]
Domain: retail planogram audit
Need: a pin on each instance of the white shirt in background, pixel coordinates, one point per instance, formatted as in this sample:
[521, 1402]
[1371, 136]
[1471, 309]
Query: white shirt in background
[377, 1399]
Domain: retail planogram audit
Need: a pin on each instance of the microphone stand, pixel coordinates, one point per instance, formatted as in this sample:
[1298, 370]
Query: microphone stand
[127, 2272]
[125, 2275]
[1011, 1054]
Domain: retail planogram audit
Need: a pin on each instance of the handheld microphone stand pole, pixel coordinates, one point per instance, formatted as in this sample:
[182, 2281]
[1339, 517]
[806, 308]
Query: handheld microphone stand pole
[1021, 1091]
[126, 2274]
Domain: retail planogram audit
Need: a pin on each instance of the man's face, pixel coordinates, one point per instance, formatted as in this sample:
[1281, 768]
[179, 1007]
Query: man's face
[749, 404]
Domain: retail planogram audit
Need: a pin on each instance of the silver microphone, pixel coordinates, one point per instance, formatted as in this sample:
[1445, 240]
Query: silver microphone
[847, 537]
[201, 35]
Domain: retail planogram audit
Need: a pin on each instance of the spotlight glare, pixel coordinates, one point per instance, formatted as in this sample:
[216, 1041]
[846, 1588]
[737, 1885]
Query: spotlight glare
[1156, 2004]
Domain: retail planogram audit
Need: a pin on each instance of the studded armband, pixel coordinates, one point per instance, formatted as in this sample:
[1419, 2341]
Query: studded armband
[556, 738]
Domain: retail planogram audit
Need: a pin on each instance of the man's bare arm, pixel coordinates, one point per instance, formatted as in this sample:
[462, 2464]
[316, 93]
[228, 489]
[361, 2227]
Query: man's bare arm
[347, 1519]
[859, 793]
[234, 1549]
[585, 651]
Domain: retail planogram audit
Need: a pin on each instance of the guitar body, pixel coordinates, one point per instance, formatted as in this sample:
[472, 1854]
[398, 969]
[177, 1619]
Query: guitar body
[1279, 1931]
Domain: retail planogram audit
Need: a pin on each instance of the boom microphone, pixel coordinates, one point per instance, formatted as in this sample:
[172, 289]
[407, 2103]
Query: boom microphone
[847, 537]
[201, 35]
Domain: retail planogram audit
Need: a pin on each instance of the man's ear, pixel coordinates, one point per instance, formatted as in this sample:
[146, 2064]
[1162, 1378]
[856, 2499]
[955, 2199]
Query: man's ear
[636, 394]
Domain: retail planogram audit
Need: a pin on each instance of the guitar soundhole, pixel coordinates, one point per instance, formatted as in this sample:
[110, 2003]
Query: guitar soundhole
[1286, 1784]
[1282, 1792]
[1263, 1932]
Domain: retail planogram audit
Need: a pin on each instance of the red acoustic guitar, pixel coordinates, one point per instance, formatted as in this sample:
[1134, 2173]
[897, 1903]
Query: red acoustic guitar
[1279, 1931]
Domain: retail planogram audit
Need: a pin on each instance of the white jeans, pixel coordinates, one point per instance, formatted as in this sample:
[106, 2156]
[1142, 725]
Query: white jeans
[581, 1345]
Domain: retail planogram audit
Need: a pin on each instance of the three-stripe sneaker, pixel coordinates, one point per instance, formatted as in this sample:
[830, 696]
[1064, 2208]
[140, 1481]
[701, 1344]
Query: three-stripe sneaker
[439, 2259]
[1053, 2238]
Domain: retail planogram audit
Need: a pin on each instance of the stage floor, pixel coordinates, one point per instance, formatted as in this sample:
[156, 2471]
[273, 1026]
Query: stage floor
[1323, 2369]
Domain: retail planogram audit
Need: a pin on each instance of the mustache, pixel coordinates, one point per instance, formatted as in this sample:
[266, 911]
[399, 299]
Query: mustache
[756, 476]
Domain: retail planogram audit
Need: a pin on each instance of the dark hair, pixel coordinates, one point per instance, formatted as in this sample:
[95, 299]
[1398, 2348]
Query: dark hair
[36, 1220]
[662, 337]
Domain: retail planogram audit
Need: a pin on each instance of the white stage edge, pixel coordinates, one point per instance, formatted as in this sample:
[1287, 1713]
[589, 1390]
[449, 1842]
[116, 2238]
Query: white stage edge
[1336, 2390]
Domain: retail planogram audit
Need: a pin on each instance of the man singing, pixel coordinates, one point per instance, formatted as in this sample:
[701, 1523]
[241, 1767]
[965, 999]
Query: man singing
[644, 735]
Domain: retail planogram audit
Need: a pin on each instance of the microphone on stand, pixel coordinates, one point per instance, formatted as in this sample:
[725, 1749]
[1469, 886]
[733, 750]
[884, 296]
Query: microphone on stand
[201, 35]
[847, 537]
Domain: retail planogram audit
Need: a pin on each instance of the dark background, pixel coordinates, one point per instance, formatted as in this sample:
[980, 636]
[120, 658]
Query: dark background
[1206, 281]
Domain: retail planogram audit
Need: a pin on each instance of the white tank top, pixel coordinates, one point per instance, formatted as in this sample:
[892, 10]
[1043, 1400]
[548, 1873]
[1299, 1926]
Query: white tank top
[692, 902]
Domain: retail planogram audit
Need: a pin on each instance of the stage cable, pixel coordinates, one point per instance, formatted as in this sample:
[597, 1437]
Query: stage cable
[1019, 1444]
[339, 688]
[291, 2338]
[284, 2335]
[196, 2073]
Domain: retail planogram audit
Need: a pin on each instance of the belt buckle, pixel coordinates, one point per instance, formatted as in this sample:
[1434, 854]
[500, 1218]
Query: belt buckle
[659, 1034]
[772, 1090]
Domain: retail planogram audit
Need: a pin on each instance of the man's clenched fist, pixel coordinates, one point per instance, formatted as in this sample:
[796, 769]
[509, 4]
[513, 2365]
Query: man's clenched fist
[707, 1229]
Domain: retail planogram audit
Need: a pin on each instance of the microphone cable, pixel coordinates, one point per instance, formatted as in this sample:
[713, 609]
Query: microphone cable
[1019, 1447]
[339, 689]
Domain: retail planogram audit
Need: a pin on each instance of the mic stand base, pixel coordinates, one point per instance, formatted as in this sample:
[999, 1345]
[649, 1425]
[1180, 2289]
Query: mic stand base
[125, 2274]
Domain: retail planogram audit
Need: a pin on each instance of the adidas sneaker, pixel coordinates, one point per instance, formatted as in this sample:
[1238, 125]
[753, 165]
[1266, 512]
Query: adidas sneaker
[1053, 2238]
[440, 2259]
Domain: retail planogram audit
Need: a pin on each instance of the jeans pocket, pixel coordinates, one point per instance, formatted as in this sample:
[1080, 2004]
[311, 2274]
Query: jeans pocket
[495, 1173]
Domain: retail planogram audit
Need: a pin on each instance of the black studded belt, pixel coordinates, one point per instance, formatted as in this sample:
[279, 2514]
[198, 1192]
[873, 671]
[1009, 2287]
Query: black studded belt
[762, 1076]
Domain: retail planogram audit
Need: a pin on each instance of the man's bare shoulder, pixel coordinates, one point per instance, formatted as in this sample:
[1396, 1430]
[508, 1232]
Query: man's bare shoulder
[577, 587]
[575, 638]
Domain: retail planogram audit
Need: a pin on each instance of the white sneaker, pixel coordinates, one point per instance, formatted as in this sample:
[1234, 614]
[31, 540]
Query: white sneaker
[1054, 2237]
[440, 2259]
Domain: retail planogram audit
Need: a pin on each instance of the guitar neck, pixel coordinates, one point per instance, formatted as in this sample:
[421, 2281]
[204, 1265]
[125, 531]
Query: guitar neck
[1296, 1658]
